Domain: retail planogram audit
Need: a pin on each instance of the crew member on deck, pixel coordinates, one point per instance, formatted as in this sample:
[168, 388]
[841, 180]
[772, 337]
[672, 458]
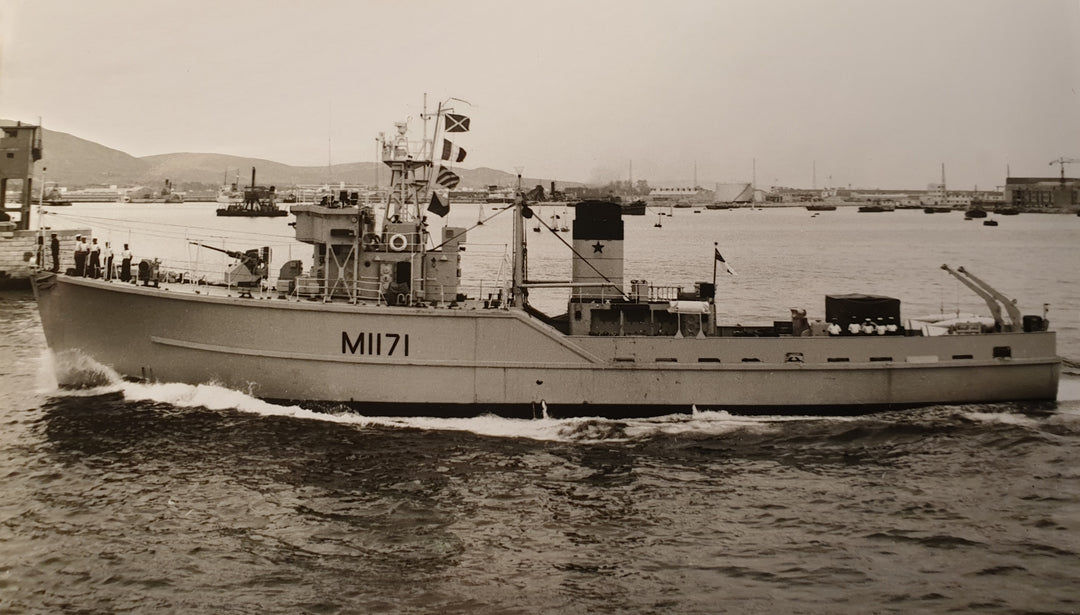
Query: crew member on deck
[95, 260]
[81, 250]
[125, 264]
[54, 246]
[800, 326]
[107, 261]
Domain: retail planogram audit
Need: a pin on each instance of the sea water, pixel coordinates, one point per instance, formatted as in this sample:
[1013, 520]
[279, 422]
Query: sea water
[170, 497]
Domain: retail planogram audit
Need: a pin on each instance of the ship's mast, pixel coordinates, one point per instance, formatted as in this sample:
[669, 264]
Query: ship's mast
[517, 291]
[409, 175]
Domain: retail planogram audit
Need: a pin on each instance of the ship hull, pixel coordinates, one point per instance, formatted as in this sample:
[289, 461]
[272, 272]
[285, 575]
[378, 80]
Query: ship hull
[461, 362]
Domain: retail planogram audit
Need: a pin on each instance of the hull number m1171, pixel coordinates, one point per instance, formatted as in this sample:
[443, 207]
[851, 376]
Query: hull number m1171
[377, 344]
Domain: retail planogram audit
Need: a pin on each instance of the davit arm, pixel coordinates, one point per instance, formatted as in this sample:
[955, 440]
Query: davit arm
[995, 309]
[1010, 305]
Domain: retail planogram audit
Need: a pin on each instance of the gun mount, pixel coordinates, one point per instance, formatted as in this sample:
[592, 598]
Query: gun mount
[251, 269]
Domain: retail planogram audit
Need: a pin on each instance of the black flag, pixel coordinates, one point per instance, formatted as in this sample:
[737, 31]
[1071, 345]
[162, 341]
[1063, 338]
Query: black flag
[438, 206]
[456, 123]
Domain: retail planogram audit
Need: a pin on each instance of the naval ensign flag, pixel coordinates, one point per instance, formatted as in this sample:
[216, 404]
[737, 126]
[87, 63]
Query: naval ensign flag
[720, 259]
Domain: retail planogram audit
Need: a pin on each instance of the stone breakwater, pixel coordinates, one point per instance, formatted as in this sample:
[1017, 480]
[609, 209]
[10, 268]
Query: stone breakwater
[18, 253]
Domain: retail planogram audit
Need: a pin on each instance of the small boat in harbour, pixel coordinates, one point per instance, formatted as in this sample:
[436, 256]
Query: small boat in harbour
[382, 323]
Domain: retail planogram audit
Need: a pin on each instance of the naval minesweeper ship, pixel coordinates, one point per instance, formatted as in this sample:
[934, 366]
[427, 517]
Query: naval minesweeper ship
[382, 323]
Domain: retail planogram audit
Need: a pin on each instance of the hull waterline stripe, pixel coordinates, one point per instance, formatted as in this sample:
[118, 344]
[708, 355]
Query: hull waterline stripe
[664, 367]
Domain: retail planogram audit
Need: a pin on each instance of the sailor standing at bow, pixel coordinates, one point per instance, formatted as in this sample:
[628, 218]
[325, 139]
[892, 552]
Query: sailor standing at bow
[125, 264]
[95, 260]
[107, 261]
[54, 247]
[81, 251]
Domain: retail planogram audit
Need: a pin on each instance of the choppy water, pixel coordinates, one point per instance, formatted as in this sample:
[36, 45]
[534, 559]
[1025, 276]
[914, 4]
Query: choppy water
[123, 497]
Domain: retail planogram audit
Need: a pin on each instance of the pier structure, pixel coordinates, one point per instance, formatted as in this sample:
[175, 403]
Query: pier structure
[20, 148]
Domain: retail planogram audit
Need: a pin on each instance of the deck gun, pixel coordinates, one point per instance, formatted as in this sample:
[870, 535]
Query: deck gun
[251, 269]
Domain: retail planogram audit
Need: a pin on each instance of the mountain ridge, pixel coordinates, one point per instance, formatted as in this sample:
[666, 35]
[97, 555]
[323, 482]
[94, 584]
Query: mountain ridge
[75, 162]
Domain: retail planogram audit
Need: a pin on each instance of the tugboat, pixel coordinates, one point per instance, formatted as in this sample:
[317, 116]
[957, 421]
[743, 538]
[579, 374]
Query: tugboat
[382, 323]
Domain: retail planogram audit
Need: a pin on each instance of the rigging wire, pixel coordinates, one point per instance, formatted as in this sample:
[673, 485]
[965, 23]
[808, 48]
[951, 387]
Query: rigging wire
[478, 223]
[114, 223]
[583, 259]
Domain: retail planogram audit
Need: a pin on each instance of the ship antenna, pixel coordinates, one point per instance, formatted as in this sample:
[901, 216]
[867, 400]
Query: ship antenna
[424, 116]
[329, 137]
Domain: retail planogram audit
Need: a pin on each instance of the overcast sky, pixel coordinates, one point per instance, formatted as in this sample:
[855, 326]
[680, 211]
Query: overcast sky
[870, 93]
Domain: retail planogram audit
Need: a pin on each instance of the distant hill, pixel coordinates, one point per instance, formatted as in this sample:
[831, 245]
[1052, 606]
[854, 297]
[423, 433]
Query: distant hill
[75, 162]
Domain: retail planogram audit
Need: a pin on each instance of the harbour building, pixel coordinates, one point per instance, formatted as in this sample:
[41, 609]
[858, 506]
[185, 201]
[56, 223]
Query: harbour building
[1043, 193]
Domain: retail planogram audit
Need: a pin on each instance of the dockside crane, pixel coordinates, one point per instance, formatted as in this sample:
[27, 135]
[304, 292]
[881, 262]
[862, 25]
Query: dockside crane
[1062, 162]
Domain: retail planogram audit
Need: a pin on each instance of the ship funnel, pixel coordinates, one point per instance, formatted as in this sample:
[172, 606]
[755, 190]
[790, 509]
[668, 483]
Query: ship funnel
[598, 251]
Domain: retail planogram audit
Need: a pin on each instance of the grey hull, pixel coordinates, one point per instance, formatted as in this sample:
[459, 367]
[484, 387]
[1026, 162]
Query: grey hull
[451, 362]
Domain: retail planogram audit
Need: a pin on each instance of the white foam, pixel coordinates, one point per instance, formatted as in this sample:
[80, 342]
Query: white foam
[1006, 418]
[1068, 388]
[75, 375]
[581, 430]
